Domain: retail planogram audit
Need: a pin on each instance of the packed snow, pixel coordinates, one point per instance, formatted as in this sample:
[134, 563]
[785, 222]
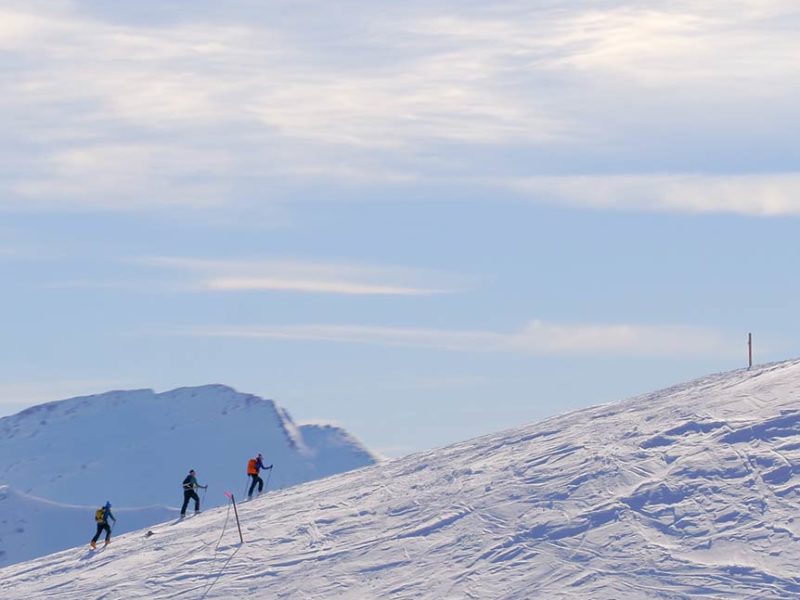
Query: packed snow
[29, 525]
[135, 447]
[684, 493]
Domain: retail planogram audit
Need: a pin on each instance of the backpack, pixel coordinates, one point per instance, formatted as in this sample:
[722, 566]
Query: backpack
[100, 515]
[251, 467]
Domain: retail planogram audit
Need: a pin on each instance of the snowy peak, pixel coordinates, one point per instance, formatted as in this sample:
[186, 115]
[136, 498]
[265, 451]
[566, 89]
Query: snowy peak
[137, 445]
[329, 445]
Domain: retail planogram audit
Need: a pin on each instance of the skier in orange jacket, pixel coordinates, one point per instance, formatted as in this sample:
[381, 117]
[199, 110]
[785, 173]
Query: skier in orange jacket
[254, 465]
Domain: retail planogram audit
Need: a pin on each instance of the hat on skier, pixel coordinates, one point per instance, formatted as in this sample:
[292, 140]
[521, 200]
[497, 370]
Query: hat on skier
[108, 504]
[259, 455]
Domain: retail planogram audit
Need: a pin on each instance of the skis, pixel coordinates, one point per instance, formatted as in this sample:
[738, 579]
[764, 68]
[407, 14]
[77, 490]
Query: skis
[184, 517]
[90, 552]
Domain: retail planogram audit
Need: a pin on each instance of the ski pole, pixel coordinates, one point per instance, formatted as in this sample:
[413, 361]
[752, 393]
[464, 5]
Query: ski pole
[266, 483]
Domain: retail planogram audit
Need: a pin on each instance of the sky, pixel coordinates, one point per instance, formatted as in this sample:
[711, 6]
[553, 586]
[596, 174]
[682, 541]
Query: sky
[423, 221]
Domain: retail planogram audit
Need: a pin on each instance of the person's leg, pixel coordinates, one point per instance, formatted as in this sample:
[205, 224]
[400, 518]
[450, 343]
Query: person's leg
[196, 501]
[97, 535]
[252, 485]
[187, 494]
[260, 484]
[107, 527]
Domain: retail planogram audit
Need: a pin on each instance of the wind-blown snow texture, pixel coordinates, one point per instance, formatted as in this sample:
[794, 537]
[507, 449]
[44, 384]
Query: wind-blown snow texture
[685, 493]
[135, 447]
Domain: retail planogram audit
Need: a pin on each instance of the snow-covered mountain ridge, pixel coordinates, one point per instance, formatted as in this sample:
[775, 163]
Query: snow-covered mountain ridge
[135, 447]
[684, 493]
[138, 445]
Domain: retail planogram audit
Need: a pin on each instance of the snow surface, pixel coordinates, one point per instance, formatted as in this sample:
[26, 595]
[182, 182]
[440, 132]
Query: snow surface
[690, 492]
[28, 525]
[135, 447]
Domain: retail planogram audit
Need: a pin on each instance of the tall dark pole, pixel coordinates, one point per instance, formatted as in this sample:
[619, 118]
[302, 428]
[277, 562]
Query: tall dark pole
[236, 512]
[749, 351]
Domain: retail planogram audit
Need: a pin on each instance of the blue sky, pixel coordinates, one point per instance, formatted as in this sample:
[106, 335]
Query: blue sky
[423, 221]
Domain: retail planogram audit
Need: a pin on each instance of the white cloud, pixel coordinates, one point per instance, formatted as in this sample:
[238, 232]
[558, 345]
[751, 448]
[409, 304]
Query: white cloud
[143, 117]
[756, 195]
[298, 284]
[710, 46]
[305, 276]
[253, 73]
[725, 45]
[536, 338]
[128, 177]
[152, 115]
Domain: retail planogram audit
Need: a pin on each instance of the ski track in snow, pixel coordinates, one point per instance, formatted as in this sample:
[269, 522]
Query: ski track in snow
[689, 492]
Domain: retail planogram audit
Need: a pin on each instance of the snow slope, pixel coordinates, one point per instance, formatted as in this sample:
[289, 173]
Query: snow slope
[135, 447]
[29, 524]
[690, 492]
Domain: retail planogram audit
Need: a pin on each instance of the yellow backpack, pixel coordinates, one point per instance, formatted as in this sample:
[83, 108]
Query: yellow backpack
[100, 515]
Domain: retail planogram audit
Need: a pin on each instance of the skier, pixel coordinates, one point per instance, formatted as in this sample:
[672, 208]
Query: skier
[254, 465]
[101, 517]
[189, 486]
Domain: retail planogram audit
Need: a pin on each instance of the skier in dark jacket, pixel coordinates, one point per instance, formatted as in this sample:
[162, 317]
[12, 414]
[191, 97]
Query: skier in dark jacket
[189, 486]
[101, 517]
[254, 465]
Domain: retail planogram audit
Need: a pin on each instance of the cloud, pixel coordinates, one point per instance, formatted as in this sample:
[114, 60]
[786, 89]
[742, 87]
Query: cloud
[213, 110]
[536, 338]
[298, 284]
[128, 177]
[726, 46]
[292, 275]
[142, 117]
[756, 195]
